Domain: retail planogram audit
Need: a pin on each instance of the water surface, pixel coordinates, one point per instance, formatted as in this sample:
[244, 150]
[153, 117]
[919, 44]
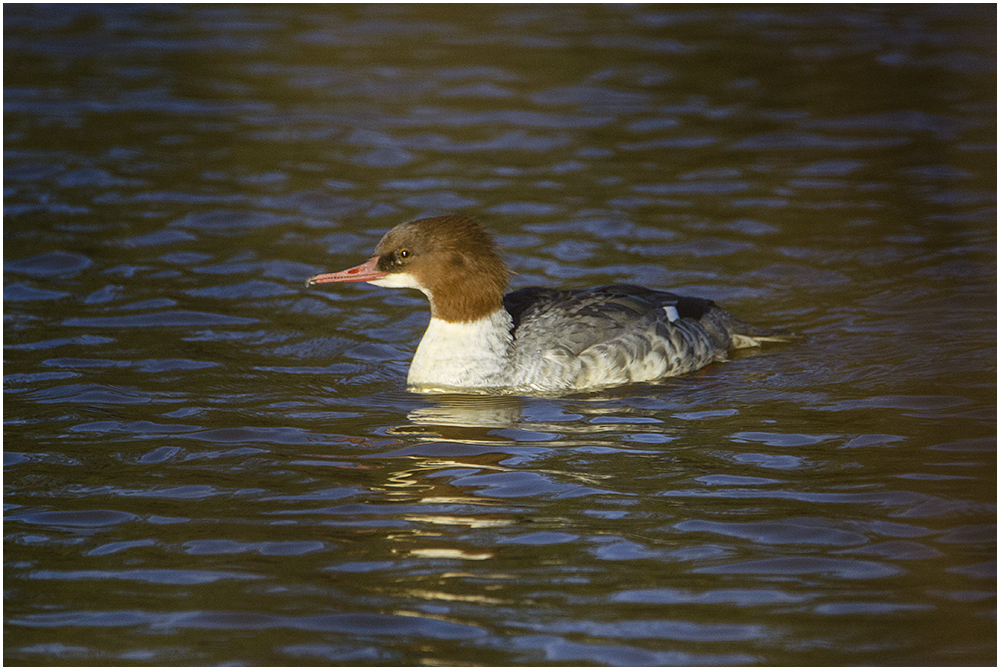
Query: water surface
[208, 463]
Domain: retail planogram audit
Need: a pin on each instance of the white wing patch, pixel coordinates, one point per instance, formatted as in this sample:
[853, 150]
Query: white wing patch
[672, 314]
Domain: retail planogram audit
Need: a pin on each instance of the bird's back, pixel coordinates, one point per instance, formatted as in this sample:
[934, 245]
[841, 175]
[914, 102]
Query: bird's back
[576, 339]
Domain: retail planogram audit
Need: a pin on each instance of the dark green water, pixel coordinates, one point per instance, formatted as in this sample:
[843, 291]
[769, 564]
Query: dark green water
[207, 463]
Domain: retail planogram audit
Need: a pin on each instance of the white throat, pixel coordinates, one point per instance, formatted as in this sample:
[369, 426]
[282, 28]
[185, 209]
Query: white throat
[470, 354]
[400, 280]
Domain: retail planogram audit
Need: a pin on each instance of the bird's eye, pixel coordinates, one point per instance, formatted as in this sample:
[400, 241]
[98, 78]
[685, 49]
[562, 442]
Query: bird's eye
[404, 254]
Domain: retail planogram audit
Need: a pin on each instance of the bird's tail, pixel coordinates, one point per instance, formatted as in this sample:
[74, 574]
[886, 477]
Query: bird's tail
[735, 333]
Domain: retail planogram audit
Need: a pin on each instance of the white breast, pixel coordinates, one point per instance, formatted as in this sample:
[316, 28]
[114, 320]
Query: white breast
[470, 354]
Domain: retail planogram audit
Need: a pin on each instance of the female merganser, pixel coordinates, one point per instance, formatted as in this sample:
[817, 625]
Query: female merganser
[537, 339]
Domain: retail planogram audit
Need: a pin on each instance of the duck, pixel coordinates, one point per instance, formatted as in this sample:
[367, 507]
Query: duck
[538, 340]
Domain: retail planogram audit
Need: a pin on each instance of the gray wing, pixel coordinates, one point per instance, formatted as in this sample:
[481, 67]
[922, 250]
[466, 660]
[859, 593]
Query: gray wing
[607, 335]
[581, 319]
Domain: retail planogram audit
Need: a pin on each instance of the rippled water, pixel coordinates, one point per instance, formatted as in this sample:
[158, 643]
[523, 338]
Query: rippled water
[206, 462]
